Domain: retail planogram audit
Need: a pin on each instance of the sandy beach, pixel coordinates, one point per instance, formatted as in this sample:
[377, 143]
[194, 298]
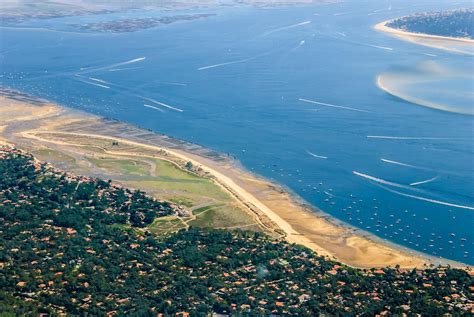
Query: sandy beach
[29, 124]
[453, 44]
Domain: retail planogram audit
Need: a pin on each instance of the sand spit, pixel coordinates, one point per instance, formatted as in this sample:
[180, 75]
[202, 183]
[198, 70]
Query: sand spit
[384, 84]
[275, 209]
[452, 44]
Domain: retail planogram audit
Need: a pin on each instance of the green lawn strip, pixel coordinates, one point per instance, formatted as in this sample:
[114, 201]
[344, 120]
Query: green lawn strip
[223, 216]
[126, 166]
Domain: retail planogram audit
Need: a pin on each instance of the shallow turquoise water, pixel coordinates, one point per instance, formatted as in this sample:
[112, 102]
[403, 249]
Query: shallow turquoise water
[294, 101]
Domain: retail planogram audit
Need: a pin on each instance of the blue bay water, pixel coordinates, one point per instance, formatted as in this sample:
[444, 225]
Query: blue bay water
[294, 101]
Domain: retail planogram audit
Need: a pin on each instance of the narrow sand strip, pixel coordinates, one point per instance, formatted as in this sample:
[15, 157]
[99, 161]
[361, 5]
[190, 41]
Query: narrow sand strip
[452, 44]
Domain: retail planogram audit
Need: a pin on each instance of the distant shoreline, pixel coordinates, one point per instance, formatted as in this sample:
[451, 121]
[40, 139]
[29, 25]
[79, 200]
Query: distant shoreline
[434, 41]
[382, 26]
[299, 222]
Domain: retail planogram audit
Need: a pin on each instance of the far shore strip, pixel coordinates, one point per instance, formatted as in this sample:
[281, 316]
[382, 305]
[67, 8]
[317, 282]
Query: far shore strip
[464, 46]
[382, 26]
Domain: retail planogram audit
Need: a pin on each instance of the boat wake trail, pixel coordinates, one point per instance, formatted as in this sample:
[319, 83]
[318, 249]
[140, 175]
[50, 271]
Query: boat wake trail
[317, 156]
[381, 47]
[329, 194]
[285, 28]
[94, 84]
[238, 61]
[98, 85]
[425, 181]
[162, 104]
[406, 137]
[384, 182]
[94, 70]
[226, 63]
[301, 43]
[122, 69]
[401, 164]
[175, 84]
[98, 80]
[153, 107]
[341, 13]
[331, 105]
[433, 201]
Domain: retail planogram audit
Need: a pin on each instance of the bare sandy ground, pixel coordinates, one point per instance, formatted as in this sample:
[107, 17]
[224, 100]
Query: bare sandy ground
[273, 208]
[384, 83]
[453, 44]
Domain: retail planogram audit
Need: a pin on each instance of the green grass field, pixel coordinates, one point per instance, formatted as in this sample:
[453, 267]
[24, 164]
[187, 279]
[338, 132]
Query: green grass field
[167, 225]
[223, 216]
[125, 167]
[167, 181]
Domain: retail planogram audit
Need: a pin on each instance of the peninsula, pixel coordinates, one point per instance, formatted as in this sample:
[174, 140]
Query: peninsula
[236, 198]
[74, 244]
[448, 30]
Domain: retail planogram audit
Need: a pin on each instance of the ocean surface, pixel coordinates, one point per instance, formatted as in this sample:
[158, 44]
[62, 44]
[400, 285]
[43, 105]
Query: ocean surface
[290, 92]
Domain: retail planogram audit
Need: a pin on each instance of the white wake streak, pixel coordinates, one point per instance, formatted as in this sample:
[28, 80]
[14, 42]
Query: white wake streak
[340, 13]
[381, 181]
[425, 181]
[153, 107]
[399, 163]
[404, 137]
[175, 84]
[285, 28]
[381, 47]
[133, 61]
[163, 104]
[329, 194]
[331, 105]
[95, 84]
[235, 61]
[317, 156]
[433, 201]
[98, 80]
[123, 69]
[226, 63]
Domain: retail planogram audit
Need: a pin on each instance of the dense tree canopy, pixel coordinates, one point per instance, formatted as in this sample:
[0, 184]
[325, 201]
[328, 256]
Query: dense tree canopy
[457, 23]
[80, 245]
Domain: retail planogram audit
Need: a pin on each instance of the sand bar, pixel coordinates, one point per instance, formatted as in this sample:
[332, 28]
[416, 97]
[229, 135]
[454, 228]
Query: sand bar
[453, 44]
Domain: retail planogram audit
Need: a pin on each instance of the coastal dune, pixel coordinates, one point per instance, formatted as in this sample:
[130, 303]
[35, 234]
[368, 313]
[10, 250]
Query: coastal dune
[282, 214]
